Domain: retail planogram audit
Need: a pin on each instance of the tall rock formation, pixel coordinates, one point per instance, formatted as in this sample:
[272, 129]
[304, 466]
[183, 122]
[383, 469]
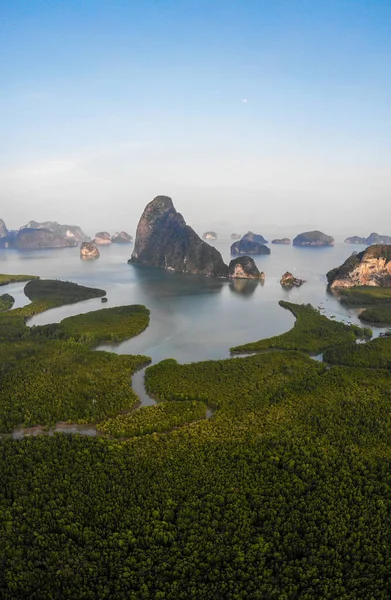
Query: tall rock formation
[371, 267]
[244, 267]
[3, 229]
[164, 240]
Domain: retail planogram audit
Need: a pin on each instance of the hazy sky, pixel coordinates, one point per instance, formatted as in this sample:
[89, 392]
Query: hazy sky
[248, 113]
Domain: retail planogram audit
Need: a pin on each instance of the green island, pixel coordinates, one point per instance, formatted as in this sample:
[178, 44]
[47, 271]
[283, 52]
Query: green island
[284, 494]
[312, 332]
[6, 302]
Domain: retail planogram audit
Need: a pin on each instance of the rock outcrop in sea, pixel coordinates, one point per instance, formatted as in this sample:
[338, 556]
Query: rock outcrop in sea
[373, 238]
[236, 236]
[164, 240]
[244, 267]
[29, 239]
[122, 238]
[209, 235]
[249, 247]
[288, 280]
[73, 232]
[313, 238]
[285, 241]
[88, 251]
[254, 237]
[371, 267]
[102, 238]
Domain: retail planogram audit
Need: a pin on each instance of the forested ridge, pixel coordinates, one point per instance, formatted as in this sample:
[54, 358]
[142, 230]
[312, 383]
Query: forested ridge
[285, 493]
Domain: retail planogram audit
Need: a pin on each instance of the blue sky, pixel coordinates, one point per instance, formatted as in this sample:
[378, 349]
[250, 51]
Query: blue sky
[273, 112]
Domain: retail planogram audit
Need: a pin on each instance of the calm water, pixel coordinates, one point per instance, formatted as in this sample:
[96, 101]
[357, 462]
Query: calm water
[192, 318]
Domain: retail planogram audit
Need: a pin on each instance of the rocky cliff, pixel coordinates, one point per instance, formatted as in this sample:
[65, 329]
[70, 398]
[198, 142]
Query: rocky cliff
[122, 238]
[102, 238]
[313, 238]
[288, 280]
[209, 235]
[371, 267]
[88, 251]
[254, 237]
[164, 240]
[244, 267]
[373, 238]
[285, 241]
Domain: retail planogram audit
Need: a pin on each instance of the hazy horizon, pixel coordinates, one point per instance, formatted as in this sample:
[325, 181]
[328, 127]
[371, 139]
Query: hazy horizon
[270, 116]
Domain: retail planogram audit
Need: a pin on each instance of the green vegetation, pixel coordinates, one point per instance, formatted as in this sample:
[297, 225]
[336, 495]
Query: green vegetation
[57, 381]
[150, 419]
[312, 332]
[6, 302]
[375, 354]
[284, 494]
[107, 325]
[57, 293]
[44, 294]
[45, 376]
[377, 314]
[365, 295]
[6, 279]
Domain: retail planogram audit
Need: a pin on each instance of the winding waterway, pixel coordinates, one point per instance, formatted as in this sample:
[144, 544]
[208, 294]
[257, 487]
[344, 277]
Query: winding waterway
[193, 318]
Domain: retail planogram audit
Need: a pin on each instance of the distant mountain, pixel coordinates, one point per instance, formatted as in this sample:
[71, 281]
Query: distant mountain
[66, 231]
[374, 238]
[313, 238]
[29, 238]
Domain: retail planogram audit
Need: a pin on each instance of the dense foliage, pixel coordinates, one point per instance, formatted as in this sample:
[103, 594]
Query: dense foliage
[284, 494]
[56, 292]
[108, 324]
[376, 354]
[377, 314]
[312, 332]
[6, 302]
[150, 419]
[42, 383]
[45, 376]
[365, 295]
